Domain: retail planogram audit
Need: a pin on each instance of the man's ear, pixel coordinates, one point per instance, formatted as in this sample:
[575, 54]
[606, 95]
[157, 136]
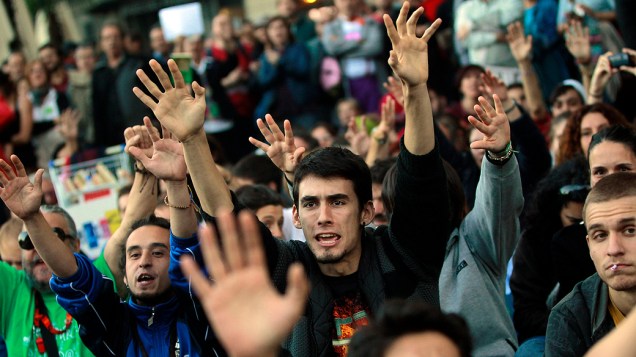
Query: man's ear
[367, 214]
[296, 218]
[75, 245]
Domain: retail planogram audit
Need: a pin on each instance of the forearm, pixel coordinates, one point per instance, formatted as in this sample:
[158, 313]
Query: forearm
[532, 90]
[605, 15]
[418, 133]
[208, 181]
[376, 151]
[54, 251]
[586, 76]
[23, 136]
[183, 221]
[141, 203]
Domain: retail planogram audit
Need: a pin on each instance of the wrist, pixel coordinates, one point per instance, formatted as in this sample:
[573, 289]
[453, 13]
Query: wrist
[501, 156]
[192, 138]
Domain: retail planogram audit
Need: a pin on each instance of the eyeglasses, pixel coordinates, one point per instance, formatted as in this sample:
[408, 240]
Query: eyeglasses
[25, 241]
[568, 189]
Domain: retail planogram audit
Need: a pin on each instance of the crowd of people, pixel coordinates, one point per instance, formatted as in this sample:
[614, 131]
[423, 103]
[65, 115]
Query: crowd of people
[443, 177]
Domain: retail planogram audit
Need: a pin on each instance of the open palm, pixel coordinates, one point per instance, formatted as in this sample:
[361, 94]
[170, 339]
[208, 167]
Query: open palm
[167, 161]
[21, 196]
[249, 315]
[409, 56]
[493, 124]
[175, 108]
[281, 149]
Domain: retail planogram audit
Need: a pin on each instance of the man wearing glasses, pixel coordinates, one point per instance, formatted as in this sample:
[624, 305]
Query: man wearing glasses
[31, 321]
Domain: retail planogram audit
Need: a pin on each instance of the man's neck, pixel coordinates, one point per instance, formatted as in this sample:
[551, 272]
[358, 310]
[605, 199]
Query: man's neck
[114, 60]
[623, 300]
[155, 300]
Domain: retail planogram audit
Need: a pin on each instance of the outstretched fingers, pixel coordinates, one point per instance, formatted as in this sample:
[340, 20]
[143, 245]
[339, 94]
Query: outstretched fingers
[149, 84]
[264, 129]
[19, 167]
[151, 130]
[232, 245]
[400, 23]
[252, 241]
[212, 253]
[149, 102]
[176, 74]
[278, 134]
[161, 74]
[199, 282]
[7, 170]
[297, 288]
[411, 23]
[289, 134]
[430, 31]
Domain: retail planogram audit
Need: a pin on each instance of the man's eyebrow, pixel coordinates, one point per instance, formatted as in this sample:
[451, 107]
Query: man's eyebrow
[338, 196]
[152, 245]
[629, 220]
[133, 247]
[159, 245]
[308, 198]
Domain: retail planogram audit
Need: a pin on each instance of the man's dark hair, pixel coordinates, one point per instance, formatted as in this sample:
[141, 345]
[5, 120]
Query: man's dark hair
[515, 85]
[457, 198]
[616, 134]
[612, 187]
[305, 136]
[255, 197]
[334, 162]
[51, 46]
[151, 220]
[124, 190]
[259, 169]
[399, 318]
[380, 168]
[560, 90]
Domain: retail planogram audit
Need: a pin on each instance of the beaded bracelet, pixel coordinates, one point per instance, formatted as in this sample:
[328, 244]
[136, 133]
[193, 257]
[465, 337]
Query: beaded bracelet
[165, 201]
[503, 155]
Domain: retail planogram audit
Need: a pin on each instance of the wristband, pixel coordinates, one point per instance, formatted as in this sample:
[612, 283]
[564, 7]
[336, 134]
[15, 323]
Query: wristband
[165, 201]
[503, 155]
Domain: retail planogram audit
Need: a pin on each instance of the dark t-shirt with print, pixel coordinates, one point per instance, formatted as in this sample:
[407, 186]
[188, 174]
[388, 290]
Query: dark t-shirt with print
[350, 311]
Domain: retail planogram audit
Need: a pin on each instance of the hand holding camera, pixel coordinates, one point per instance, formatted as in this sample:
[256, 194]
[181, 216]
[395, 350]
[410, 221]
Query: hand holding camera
[625, 61]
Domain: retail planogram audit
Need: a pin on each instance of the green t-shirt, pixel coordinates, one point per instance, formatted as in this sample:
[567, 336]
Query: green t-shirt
[102, 266]
[17, 307]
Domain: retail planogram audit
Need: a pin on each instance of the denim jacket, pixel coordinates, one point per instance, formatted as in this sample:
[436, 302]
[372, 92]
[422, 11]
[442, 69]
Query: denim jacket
[580, 320]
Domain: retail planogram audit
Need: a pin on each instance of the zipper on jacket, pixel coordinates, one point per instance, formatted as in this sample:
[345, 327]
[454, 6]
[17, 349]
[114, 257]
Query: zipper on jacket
[151, 320]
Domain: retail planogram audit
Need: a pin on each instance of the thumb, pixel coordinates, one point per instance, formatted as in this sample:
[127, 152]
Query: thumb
[37, 180]
[138, 154]
[199, 91]
[298, 154]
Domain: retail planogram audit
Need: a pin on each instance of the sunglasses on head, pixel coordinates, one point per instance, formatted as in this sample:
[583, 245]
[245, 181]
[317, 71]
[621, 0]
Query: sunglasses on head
[25, 241]
[568, 189]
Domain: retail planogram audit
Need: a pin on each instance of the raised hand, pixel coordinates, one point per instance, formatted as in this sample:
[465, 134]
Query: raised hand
[248, 314]
[281, 149]
[632, 55]
[175, 108]
[394, 87]
[409, 56]
[492, 123]
[577, 40]
[67, 124]
[602, 74]
[166, 161]
[357, 136]
[520, 45]
[21, 196]
[493, 85]
[386, 129]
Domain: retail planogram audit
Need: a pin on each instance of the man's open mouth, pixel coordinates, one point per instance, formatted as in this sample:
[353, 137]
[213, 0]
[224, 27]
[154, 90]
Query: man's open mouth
[327, 239]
